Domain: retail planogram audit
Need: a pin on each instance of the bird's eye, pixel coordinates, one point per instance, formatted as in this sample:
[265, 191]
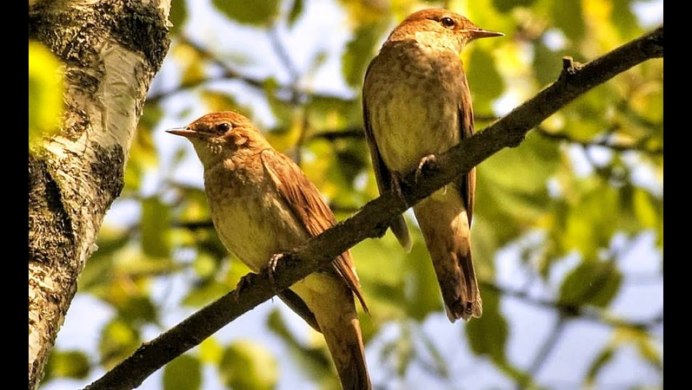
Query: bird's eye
[447, 22]
[223, 127]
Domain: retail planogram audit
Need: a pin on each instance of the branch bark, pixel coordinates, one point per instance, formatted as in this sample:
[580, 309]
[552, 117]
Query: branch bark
[371, 220]
[111, 50]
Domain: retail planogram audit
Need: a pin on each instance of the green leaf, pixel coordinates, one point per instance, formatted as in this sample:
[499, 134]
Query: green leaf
[601, 360]
[118, 341]
[591, 283]
[67, 364]
[485, 81]
[384, 291]
[178, 15]
[183, 373]
[155, 224]
[511, 187]
[45, 92]
[296, 10]
[624, 19]
[569, 17]
[488, 335]
[256, 12]
[246, 365]
[546, 64]
[359, 51]
[205, 293]
[138, 309]
[422, 290]
[507, 5]
[98, 271]
[587, 219]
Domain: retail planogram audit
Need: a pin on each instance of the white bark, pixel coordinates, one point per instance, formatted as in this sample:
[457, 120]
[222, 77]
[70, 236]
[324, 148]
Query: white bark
[111, 50]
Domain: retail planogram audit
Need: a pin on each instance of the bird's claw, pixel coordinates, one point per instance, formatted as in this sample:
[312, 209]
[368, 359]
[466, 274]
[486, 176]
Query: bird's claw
[271, 267]
[427, 165]
[244, 282]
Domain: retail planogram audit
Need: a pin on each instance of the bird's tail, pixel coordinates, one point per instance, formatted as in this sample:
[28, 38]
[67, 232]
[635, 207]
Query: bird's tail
[445, 226]
[346, 347]
[331, 301]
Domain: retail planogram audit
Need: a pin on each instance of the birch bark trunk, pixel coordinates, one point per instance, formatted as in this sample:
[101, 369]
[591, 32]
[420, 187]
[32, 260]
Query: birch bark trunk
[111, 50]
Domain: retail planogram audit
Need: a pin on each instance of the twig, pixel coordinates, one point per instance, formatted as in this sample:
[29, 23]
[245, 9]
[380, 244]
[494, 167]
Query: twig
[233, 74]
[547, 347]
[619, 147]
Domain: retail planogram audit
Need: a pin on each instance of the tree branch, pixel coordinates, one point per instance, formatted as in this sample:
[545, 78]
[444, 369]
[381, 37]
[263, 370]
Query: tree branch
[372, 220]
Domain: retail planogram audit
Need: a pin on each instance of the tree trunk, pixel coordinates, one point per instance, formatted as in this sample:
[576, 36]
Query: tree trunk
[111, 50]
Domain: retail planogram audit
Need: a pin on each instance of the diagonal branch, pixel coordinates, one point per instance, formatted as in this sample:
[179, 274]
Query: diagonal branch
[372, 220]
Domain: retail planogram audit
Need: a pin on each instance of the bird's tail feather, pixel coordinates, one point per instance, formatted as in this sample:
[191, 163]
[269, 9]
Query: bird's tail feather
[447, 235]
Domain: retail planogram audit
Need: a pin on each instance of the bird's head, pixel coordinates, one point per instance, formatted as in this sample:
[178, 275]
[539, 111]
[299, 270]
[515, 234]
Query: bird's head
[220, 134]
[435, 27]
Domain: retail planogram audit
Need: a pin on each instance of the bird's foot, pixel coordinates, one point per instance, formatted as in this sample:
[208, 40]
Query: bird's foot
[244, 282]
[273, 264]
[396, 182]
[426, 166]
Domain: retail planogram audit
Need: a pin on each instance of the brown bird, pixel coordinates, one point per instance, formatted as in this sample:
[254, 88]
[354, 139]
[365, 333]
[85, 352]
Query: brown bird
[262, 205]
[416, 103]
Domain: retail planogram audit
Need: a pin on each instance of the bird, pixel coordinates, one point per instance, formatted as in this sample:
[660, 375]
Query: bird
[417, 104]
[262, 204]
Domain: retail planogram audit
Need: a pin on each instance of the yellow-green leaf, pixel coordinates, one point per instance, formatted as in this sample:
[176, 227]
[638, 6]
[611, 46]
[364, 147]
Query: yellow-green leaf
[178, 15]
[246, 365]
[118, 340]
[183, 373]
[155, 224]
[485, 81]
[296, 10]
[210, 351]
[591, 282]
[67, 364]
[45, 92]
[256, 12]
[359, 51]
[569, 17]
[508, 5]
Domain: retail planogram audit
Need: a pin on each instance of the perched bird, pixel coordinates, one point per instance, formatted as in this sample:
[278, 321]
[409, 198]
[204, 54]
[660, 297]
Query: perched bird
[261, 205]
[416, 103]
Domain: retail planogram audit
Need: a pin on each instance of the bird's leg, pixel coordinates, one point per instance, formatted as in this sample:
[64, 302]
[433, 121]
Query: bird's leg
[426, 166]
[396, 181]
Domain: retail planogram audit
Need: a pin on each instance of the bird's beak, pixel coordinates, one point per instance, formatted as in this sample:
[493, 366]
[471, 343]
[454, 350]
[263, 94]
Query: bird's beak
[182, 131]
[480, 33]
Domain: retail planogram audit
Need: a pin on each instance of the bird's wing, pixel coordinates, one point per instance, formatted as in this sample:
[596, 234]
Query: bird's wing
[467, 182]
[383, 176]
[309, 208]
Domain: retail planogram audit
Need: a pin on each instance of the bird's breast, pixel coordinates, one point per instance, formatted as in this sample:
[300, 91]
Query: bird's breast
[412, 100]
[250, 217]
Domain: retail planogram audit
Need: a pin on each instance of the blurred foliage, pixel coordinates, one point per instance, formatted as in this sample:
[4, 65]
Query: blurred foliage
[573, 205]
[45, 92]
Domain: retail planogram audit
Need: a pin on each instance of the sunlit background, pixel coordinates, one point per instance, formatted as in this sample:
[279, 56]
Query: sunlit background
[567, 232]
